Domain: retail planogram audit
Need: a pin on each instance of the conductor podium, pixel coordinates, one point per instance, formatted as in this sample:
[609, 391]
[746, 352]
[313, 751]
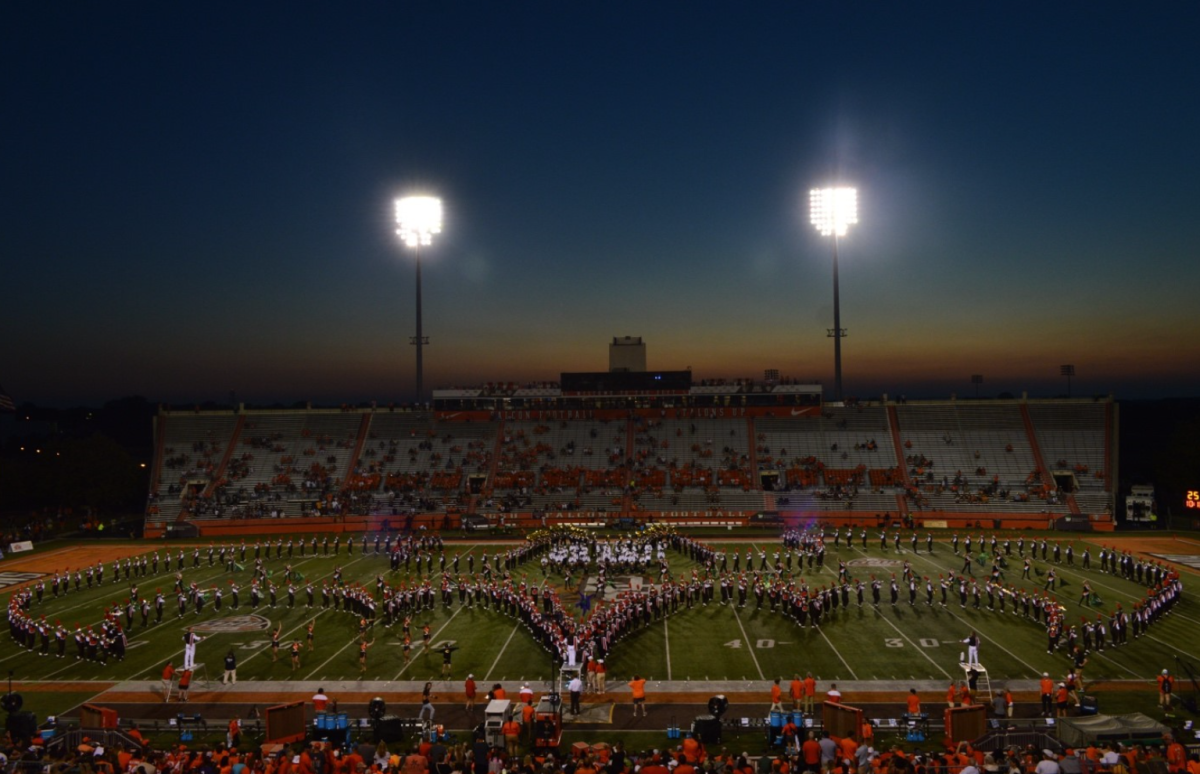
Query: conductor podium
[966, 723]
[841, 720]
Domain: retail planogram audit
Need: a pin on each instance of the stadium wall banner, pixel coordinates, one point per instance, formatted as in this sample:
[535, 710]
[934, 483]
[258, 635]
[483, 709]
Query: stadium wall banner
[20, 545]
[706, 412]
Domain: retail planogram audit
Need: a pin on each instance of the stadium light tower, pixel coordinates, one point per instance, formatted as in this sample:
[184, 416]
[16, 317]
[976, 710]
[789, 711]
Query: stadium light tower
[833, 211]
[418, 218]
[1067, 371]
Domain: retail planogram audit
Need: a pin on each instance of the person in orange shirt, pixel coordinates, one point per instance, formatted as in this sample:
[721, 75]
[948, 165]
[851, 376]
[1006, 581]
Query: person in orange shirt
[952, 694]
[1047, 686]
[167, 674]
[797, 691]
[810, 693]
[867, 733]
[185, 683]
[1061, 698]
[512, 736]
[848, 747]
[527, 715]
[964, 695]
[654, 766]
[914, 702]
[1193, 764]
[1008, 702]
[776, 696]
[811, 751]
[638, 686]
[1166, 688]
[1176, 755]
[498, 692]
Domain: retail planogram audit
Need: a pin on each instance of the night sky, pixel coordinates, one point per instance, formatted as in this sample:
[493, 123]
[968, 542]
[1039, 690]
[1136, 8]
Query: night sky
[196, 197]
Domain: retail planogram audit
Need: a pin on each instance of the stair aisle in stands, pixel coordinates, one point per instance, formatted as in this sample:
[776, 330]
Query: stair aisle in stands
[229, 449]
[364, 429]
[1047, 479]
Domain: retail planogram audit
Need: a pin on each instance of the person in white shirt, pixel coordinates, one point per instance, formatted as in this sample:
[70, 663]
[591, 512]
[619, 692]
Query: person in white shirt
[320, 700]
[1048, 764]
[576, 689]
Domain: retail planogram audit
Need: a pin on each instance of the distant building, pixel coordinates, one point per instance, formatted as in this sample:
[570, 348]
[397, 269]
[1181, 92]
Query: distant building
[627, 354]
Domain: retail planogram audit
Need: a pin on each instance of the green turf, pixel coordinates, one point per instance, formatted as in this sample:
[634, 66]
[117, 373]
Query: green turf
[714, 642]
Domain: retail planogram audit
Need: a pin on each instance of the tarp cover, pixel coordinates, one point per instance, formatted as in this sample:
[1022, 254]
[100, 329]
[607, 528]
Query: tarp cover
[1075, 732]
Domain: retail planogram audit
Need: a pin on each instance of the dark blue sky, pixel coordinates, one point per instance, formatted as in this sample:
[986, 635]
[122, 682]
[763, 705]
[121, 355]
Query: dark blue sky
[196, 198]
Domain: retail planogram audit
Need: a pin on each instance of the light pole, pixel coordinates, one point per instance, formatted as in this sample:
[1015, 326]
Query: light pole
[833, 211]
[418, 218]
[976, 379]
[1067, 371]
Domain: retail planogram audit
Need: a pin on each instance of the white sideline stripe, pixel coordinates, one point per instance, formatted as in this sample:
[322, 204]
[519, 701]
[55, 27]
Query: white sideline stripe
[1118, 664]
[667, 643]
[749, 644]
[905, 636]
[838, 652]
[503, 648]
[883, 617]
[1189, 654]
[326, 661]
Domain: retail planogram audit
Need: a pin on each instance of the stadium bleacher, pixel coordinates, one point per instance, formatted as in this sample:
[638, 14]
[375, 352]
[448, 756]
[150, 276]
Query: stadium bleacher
[930, 459]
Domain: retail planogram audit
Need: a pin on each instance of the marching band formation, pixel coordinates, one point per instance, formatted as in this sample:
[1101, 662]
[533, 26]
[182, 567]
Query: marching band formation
[583, 632]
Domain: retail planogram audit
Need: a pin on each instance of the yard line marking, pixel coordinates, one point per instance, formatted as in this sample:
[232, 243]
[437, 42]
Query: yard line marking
[1122, 666]
[964, 623]
[883, 617]
[433, 639]
[331, 658]
[667, 643]
[504, 647]
[837, 652]
[1169, 645]
[749, 644]
[1058, 568]
[304, 622]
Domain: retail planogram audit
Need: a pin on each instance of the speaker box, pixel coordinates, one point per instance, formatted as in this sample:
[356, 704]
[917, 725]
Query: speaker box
[389, 728]
[22, 725]
[707, 729]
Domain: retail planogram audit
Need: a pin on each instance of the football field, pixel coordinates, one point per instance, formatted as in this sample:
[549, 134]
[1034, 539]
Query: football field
[713, 642]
